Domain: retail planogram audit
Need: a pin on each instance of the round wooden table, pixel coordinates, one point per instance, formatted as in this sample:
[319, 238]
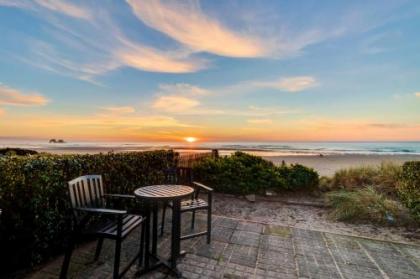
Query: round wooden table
[152, 195]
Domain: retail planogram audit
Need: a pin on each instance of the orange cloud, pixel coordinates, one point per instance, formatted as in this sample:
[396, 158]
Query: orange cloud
[152, 60]
[119, 110]
[417, 94]
[189, 26]
[1, 112]
[11, 96]
[174, 103]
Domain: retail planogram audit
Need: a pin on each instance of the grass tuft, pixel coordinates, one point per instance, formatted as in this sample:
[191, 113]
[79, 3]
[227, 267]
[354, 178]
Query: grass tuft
[366, 205]
[384, 177]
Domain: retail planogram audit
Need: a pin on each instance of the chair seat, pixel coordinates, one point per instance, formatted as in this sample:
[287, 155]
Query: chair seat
[192, 204]
[130, 222]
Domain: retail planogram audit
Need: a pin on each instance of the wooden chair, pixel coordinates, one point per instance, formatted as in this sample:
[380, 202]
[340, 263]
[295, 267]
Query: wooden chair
[88, 199]
[194, 203]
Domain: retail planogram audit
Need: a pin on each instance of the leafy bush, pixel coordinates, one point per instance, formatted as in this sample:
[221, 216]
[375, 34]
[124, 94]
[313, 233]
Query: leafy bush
[366, 205]
[33, 196]
[17, 151]
[242, 173]
[298, 176]
[409, 187]
[239, 173]
[384, 178]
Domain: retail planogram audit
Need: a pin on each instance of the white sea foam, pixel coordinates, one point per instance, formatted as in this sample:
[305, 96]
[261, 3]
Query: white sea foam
[257, 148]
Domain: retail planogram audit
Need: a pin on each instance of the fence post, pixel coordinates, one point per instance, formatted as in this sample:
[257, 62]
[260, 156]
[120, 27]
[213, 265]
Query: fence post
[215, 153]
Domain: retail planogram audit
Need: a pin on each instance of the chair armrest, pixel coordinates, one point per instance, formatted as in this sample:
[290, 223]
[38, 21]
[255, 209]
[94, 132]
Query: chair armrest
[118, 196]
[203, 187]
[101, 210]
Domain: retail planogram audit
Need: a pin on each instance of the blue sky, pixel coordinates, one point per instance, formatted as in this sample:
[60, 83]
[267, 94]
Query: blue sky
[215, 70]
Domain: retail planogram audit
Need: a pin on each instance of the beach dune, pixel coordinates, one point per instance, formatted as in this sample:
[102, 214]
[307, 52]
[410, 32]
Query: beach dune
[327, 165]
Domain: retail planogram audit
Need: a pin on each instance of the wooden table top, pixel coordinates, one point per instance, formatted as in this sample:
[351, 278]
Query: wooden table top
[163, 192]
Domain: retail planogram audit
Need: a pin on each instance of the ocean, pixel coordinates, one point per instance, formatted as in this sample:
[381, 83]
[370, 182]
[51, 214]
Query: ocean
[259, 148]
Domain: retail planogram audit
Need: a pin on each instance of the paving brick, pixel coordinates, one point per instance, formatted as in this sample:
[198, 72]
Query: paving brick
[246, 238]
[242, 249]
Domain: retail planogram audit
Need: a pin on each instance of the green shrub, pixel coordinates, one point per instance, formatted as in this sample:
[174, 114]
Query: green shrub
[383, 178]
[299, 177]
[17, 151]
[242, 173]
[409, 187]
[366, 205]
[33, 196]
[239, 173]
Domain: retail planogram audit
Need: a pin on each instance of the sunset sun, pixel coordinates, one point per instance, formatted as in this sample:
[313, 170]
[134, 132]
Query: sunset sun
[190, 139]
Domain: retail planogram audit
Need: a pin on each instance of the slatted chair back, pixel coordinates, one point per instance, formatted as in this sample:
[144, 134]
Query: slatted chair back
[179, 175]
[87, 191]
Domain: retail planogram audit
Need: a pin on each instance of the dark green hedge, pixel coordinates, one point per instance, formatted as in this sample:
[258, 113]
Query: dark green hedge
[409, 187]
[245, 174]
[34, 200]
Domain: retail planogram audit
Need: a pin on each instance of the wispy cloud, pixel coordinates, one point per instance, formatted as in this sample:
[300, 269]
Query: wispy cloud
[71, 51]
[175, 103]
[254, 36]
[188, 99]
[14, 97]
[119, 110]
[110, 121]
[16, 3]
[387, 125]
[65, 8]
[179, 98]
[1, 112]
[290, 84]
[265, 111]
[260, 121]
[59, 6]
[190, 26]
[154, 61]
[184, 89]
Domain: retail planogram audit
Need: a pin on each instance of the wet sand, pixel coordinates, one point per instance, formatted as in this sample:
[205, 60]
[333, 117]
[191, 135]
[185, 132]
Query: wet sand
[328, 164]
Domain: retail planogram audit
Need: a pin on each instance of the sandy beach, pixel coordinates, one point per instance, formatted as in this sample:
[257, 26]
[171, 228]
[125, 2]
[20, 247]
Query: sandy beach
[328, 164]
[325, 162]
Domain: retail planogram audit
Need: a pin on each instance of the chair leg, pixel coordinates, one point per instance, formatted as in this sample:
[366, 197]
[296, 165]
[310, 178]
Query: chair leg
[142, 234]
[209, 225]
[117, 258]
[193, 220]
[162, 224]
[67, 256]
[98, 248]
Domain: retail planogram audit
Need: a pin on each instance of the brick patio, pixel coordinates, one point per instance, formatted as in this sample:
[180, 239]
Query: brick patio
[242, 249]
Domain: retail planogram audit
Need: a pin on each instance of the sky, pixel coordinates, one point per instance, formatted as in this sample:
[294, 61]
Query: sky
[215, 70]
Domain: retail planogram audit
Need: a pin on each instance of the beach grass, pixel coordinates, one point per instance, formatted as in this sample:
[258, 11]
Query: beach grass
[366, 205]
[383, 178]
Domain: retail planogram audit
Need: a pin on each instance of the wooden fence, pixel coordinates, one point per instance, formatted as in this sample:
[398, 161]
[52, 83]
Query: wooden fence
[187, 160]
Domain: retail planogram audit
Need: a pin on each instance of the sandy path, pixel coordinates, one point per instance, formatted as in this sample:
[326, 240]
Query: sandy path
[306, 217]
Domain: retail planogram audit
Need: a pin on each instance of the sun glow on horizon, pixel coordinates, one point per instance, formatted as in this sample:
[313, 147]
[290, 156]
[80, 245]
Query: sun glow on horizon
[190, 139]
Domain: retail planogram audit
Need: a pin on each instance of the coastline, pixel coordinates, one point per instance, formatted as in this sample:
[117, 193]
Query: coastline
[325, 163]
[328, 164]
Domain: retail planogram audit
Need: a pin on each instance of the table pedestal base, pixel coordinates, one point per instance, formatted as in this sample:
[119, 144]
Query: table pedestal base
[161, 263]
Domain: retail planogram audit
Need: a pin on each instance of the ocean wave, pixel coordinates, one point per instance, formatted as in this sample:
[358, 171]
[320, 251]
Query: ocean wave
[263, 149]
